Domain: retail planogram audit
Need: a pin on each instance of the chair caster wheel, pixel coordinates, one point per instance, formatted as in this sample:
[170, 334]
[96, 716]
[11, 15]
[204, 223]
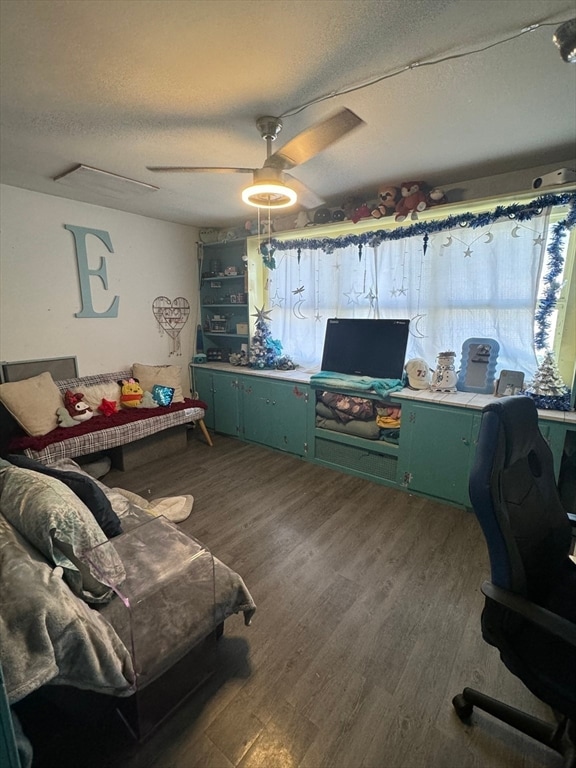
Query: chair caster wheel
[462, 706]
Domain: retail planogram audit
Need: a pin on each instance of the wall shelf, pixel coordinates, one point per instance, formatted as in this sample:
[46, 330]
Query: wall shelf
[227, 335]
[220, 314]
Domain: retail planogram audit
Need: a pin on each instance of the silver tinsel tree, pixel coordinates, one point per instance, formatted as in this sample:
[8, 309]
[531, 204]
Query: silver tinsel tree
[548, 389]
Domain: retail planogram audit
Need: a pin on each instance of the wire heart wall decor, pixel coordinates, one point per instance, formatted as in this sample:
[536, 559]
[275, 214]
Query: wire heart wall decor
[171, 317]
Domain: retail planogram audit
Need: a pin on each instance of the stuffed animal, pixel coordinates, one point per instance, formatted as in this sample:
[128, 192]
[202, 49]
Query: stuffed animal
[322, 215]
[350, 205]
[147, 401]
[436, 196]
[107, 407]
[76, 407]
[75, 410]
[412, 200]
[356, 208]
[387, 199]
[131, 393]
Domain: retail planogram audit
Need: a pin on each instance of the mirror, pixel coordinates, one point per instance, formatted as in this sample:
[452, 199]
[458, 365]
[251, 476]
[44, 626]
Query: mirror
[478, 366]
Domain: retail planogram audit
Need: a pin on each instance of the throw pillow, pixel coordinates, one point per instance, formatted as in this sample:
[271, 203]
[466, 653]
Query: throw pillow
[84, 487]
[162, 395]
[94, 394]
[33, 403]
[54, 520]
[165, 375]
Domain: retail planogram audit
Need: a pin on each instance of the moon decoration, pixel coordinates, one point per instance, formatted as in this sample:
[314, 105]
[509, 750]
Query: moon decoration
[414, 329]
[515, 232]
[171, 317]
[296, 309]
[448, 242]
[489, 237]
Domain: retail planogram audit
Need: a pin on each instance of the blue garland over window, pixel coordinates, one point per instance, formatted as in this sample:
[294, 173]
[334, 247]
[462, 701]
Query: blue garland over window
[518, 211]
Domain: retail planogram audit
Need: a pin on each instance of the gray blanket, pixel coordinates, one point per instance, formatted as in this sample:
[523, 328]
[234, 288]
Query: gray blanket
[48, 635]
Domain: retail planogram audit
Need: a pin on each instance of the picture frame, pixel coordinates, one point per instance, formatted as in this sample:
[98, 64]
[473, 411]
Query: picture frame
[509, 383]
[478, 366]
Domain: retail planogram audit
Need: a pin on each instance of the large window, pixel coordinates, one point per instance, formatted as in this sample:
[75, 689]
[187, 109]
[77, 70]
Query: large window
[453, 285]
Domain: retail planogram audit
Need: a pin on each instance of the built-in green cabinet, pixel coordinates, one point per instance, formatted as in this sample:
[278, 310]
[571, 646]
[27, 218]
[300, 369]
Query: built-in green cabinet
[223, 298]
[221, 392]
[437, 445]
[275, 413]
[437, 438]
[258, 409]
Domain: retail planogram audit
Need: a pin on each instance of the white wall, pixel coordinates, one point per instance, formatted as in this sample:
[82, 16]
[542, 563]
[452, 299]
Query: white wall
[40, 289]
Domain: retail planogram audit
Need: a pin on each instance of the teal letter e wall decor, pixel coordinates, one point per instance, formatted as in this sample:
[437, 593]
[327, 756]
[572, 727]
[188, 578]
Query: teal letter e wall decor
[84, 272]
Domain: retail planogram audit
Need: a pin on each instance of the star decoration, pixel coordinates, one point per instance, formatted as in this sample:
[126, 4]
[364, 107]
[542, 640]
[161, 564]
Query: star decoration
[402, 291]
[467, 253]
[393, 292]
[318, 317]
[538, 240]
[262, 315]
[352, 296]
[277, 300]
[107, 407]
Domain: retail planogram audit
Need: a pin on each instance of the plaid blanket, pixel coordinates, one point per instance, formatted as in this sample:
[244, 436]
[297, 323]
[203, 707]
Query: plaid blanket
[103, 432]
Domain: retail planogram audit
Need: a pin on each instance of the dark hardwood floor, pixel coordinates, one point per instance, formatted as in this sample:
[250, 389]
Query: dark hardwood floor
[368, 623]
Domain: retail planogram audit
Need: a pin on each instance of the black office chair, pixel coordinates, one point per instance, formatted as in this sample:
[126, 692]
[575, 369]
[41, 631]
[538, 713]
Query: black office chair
[530, 608]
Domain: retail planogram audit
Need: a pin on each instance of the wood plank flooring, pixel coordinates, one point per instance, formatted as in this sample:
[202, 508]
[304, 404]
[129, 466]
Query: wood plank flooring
[368, 623]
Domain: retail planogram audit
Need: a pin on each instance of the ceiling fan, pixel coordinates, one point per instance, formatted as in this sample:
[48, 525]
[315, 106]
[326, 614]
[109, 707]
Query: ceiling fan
[272, 186]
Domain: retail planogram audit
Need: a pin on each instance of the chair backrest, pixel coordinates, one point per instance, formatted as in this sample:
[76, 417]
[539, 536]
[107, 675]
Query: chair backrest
[515, 498]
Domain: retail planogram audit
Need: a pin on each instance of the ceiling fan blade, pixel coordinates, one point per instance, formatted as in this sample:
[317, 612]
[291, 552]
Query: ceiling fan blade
[199, 169]
[314, 140]
[306, 197]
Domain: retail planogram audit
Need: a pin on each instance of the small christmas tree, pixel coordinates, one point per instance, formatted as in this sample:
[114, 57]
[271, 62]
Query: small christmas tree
[266, 352]
[547, 389]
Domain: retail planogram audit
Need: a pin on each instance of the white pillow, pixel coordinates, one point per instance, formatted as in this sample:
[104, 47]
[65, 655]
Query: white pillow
[33, 403]
[94, 394]
[165, 375]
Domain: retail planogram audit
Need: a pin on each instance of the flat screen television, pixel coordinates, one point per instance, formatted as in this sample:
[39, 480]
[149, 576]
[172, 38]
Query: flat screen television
[359, 347]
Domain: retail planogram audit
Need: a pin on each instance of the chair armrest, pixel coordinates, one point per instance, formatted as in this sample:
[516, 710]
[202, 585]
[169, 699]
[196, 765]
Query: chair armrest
[551, 622]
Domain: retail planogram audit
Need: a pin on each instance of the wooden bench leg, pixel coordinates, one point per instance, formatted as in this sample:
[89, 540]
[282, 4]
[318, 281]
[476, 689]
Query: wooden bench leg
[205, 432]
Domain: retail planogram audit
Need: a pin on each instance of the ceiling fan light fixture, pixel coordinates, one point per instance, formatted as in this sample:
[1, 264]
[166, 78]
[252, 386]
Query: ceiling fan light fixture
[269, 194]
[565, 39]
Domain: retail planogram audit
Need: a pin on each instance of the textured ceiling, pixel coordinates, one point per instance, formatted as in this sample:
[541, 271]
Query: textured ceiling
[125, 84]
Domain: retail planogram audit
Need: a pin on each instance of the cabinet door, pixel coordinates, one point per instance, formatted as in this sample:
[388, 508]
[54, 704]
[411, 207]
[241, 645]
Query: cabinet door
[275, 414]
[226, 404]
[437, 445]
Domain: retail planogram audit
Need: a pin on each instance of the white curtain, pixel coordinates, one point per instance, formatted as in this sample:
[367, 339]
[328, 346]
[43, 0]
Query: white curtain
[466, 283]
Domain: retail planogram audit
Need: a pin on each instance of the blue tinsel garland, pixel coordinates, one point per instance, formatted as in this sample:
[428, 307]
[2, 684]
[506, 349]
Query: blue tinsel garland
[518, 211]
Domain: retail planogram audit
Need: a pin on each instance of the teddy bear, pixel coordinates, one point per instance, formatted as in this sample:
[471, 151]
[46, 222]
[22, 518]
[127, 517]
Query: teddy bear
[387, 199]
[436, 196]
[412, 200]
